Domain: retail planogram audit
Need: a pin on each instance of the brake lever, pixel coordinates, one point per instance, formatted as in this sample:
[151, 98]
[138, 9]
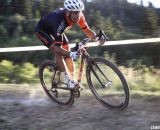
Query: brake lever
[85, 40]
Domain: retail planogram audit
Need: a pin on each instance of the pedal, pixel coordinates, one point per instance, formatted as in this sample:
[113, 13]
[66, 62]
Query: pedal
[76, 93]
[79, 87]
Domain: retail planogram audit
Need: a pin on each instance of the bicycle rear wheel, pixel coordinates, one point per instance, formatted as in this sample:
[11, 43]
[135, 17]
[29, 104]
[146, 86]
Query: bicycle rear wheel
[107, 83]
[52, 84]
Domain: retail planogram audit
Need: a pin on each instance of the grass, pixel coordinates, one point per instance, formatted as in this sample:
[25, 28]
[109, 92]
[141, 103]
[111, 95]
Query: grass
[144, 81]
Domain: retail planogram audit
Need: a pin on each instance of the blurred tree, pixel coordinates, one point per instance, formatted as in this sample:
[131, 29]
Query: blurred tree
[109, 27]
[13, 25]
[119, 26]
[46, 6]
[3, 35]
[95, 19]
[149, 21]
[119, 20]
[5, 7]
[23, 7]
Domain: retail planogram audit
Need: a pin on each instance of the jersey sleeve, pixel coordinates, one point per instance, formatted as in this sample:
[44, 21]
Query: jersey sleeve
[82, 22]
[84, 26]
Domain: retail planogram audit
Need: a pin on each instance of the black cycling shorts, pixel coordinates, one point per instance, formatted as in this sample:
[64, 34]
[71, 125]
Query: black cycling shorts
[48, 39]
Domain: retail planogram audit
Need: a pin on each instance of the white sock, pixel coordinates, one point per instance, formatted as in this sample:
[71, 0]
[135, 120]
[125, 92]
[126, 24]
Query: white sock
[65, 76]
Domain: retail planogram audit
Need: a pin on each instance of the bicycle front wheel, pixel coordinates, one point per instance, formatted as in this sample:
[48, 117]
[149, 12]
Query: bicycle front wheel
[52, 84]
[107, 83]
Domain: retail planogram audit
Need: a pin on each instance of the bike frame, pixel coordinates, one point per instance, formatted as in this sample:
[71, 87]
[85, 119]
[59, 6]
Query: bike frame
[80, 74]
[84, 58]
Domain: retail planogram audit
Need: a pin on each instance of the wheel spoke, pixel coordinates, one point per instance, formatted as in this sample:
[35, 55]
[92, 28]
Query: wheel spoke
[95, 74]
[108, 84]
[52, 85]
[101, 71]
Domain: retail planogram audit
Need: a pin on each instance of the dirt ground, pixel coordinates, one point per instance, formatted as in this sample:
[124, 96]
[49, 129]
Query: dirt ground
[26, 107]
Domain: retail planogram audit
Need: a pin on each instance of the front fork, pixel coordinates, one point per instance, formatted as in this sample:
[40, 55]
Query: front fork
[90, 65]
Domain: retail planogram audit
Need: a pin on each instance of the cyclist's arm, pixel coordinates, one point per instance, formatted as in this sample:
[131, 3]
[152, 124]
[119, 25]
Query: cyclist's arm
[90, 33]
[84, 26]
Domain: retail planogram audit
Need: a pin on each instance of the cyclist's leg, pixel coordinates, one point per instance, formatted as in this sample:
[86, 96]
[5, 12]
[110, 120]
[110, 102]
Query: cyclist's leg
[46, 39]
[59, 59]
[69, 62]
[63, 69]
[70, 66]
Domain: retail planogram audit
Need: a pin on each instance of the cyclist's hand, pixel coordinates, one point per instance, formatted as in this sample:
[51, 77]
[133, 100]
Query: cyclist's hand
[101, 40]
[102, 37]
[75, 48]
[74, 55]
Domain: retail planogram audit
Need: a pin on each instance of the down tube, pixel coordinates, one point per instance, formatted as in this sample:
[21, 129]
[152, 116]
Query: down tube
[80, 74]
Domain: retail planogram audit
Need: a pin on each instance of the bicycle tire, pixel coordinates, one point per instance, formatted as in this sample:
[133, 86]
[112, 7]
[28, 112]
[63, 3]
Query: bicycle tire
[53, 94]
[95, 82]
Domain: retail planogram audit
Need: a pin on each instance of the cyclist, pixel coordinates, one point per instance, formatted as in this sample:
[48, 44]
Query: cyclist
[50, 30]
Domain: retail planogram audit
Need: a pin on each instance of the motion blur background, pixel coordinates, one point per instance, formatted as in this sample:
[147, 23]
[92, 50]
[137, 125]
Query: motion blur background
[119, 19]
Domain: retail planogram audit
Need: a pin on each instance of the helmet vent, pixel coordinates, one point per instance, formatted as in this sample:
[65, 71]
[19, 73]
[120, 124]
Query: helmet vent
[74, 5]
[77, 7]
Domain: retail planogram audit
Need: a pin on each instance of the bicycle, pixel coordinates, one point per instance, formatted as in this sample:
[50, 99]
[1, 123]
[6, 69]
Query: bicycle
[105, 80]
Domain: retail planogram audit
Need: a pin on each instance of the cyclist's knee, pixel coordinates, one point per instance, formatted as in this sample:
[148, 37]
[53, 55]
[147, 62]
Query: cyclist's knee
[52, 47]
[66, 47]
[55, 49]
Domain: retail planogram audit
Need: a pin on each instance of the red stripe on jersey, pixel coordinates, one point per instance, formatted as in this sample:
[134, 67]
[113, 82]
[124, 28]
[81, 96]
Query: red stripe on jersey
[56, 42]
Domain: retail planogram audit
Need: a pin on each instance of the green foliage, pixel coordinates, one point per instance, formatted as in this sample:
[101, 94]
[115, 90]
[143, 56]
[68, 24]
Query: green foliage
[141, 78]
[6, 71]
[96, 19]
[27, 73]
[149, 21]
[109, 27]
[13, 25]
[29, 25]
[23, 7]
[144, 79]
[119, 20]
[3, 34]
[138, 64]
[110, 57]
[10, 73]
[5, 7]
[2, 19]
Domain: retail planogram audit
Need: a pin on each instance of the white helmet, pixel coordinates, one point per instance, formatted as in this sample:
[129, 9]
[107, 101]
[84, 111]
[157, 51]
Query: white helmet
[73, 5]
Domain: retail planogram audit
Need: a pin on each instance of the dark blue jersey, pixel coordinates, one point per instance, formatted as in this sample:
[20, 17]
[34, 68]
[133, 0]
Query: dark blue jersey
[56, 22]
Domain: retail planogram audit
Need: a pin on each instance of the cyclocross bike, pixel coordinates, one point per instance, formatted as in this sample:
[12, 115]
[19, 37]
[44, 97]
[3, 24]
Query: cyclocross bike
[104, 79]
